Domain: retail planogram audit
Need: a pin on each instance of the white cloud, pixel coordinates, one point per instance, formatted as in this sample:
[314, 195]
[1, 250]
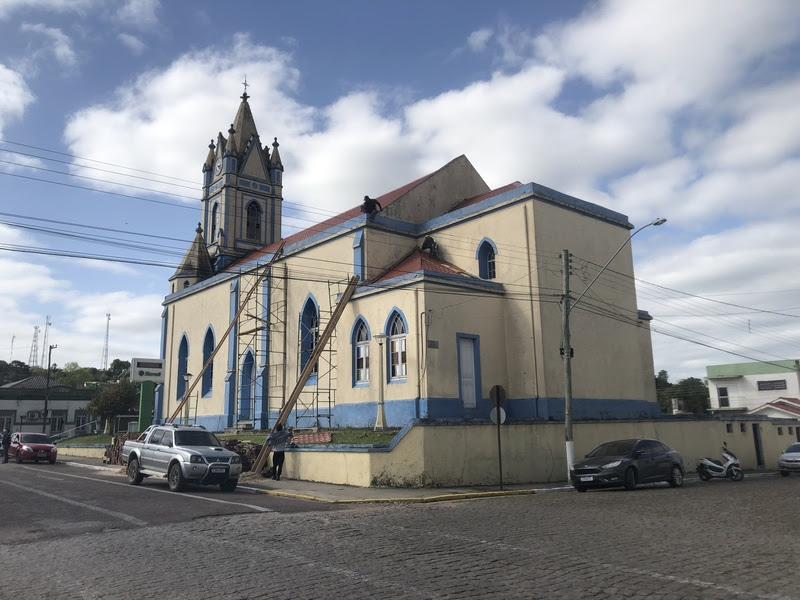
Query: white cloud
[7, 7]
[478, 40]
[59, 43]
[15, 96]
[132, 43]
[139, 13]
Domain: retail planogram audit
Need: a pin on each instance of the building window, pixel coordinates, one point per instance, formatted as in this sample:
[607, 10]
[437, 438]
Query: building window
[183, 368]
[309, 332]
[361, 354]
[397, 348]
[208, 374]
[253, 221]
[790, 430]
[214, 222]
[780, 430]
[6, 419]
[729, 427]
[743, 427]
[776, 384]
[358, 254]
[57, 420]
[722, 393]
[81, 422]
[486, 254]
[186, 284]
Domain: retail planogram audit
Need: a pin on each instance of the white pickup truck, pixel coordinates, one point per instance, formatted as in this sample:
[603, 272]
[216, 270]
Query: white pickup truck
[183, 454]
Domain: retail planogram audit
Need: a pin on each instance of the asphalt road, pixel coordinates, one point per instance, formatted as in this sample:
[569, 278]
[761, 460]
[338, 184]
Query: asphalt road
[69, 533]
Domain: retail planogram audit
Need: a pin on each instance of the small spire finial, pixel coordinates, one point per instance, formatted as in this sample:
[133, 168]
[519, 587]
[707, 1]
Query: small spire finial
[231, 131]
[245, 84]
[199, 228]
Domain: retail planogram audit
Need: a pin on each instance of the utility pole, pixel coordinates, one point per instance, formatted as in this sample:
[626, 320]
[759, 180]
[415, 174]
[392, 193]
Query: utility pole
[104, 359]
[46, 332]
[47, 394]
[566, 353]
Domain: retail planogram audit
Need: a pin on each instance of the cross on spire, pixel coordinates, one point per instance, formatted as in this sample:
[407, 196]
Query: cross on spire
[245, 84]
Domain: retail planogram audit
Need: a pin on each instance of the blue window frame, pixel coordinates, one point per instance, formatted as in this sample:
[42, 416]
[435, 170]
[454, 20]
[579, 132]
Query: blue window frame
[183, 360]
[360, 340]
[398, 362]
[487, 251]
[253, 221]
[358, 254]
[309, 332]
[208, 374]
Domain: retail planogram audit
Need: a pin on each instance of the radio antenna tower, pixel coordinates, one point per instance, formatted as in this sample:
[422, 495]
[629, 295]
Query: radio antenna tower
[44, 341]
[104, 360]
[33, 360]
[11, 356]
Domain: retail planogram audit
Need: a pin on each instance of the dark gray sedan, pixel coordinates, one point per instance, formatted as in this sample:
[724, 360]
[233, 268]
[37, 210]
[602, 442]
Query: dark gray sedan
[626, 463]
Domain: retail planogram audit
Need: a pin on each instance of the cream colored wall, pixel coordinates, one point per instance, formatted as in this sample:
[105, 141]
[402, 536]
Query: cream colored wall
[531, 453]
[382, 250]
[191, 315]
[607, 352]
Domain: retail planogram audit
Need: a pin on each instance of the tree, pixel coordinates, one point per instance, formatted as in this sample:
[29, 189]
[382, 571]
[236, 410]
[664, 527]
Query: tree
[14, 371]
[692, 394]
[74, 375]
[118, 368]
[115, 399]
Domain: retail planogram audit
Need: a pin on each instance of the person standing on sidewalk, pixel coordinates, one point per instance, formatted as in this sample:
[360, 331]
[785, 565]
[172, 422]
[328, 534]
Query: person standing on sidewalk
[6, 443]
[277, 440]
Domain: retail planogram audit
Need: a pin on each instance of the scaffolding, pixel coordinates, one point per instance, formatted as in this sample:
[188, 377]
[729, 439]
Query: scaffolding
[316, 401]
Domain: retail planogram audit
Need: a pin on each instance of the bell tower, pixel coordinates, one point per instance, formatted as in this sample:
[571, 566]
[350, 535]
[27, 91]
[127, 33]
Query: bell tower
[242, 191]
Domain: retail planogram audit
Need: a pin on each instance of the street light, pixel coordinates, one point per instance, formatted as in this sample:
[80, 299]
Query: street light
[47, 393]
[566, 350]
[380, 420]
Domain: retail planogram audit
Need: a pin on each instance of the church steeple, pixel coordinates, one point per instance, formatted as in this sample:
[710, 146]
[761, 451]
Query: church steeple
[242, 191]
[195, 266]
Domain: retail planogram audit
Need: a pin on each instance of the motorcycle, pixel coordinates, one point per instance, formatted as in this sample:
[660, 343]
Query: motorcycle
[708, 468]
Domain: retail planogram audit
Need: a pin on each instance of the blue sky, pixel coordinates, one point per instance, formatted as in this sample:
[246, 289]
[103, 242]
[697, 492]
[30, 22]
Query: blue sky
[686, 110]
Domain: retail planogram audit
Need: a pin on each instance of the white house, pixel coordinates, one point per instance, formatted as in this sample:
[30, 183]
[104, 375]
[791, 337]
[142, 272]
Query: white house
[747, 386]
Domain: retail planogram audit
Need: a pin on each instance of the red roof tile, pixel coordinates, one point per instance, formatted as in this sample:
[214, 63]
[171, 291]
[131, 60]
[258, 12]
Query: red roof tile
[417, 261]
[490, 194]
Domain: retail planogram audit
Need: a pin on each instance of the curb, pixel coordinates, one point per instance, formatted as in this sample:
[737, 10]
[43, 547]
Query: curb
[414, 500]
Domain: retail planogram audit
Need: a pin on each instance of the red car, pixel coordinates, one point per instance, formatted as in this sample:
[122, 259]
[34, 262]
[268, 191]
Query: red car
[32, 446]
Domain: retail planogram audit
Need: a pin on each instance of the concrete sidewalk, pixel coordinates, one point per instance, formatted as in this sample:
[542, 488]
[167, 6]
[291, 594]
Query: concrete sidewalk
[346, 494]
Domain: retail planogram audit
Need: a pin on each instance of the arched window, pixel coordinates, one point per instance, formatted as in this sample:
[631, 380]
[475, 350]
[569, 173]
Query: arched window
[185, 284]
[214, 222]
[247, 387]
[309, 332]
[253, 221]
[183, 360]
[486, 259]
[208, 374]
[397, 347]
[360, 353]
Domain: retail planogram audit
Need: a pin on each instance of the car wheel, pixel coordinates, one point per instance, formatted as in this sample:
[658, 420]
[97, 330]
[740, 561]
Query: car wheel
[580, 488]
[630, 479]
[676, 478]
[784, 473]
[134, 476]
[176, 479]
[229, 485]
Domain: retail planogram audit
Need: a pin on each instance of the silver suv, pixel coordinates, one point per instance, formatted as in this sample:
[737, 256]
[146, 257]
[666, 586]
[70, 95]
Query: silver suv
[183, 454]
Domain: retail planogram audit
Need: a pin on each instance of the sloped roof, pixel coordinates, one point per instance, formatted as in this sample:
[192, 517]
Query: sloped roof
[417, 261]
[490, 194]
[789, 405]
[196, 262]
[34, 382]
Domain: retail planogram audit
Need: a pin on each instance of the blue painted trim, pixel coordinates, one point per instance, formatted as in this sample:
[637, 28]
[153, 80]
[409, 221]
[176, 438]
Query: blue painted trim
[207, 385]
[353, 332]
[485, 240]
[247, 390]
[358, 254]
[476, 355]
[230, 377]
[183, 359]
[303, 349]
[391, 317]
[158, 403]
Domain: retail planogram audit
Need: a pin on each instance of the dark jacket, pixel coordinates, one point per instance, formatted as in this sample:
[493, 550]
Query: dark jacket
[6, 439]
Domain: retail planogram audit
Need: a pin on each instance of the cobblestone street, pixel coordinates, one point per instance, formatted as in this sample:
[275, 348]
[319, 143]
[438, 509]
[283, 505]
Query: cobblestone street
[706, 540]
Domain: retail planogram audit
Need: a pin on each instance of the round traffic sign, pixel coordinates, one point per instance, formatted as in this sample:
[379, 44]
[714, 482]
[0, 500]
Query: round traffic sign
[493, 415]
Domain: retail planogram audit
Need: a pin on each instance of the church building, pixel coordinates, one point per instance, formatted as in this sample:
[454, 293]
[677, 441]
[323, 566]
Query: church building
[460, 289]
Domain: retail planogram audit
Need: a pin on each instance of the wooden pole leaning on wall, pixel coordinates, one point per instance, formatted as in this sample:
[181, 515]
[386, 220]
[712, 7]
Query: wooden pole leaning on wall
[283, 416]
[224, 337]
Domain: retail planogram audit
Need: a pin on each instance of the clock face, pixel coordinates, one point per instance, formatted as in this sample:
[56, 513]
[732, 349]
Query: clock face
[219, 165]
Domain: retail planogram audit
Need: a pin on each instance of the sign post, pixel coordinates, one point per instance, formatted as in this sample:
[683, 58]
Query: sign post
[498, 416]
[149, 371]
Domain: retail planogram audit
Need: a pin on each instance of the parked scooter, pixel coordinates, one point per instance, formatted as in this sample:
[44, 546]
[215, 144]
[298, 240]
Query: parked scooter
[708, 468]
